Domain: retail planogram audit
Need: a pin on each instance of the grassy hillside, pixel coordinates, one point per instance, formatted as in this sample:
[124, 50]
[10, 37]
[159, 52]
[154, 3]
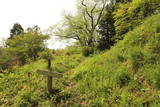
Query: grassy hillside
[128, 75]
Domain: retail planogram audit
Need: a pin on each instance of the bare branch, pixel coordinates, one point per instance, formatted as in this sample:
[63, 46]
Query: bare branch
[86, 9]
[68, 36]
[90, 15]
[100, 14]
[92, 18]
[86, 25]
[93, 8]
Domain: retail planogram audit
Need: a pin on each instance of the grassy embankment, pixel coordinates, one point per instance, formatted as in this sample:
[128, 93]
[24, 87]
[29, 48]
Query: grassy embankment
[128, 75]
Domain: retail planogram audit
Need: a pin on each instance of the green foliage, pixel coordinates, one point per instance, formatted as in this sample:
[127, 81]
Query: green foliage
[83, 26]
[46, 54]
[107, 79]
[27, 45]
[106, 29]
[136, 58]
[123, 78]
[73, 50]
[7, 59]
[86, 51]
[73, 28]
[20, 90]
[16, 30]
[121, 58]
[122, 1]
[113, 69]
[156, 80]
[24, 99]
[129, 15]
[154, 45]
[121, 17]
[98, 102]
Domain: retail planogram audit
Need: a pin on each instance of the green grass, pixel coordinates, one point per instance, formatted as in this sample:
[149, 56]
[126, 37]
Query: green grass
[18, 90]
[128, 74]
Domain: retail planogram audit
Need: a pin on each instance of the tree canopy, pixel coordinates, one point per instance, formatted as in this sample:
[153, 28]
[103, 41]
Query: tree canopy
[100, 23]
[84, 24]
[16, 30]
[28, 44]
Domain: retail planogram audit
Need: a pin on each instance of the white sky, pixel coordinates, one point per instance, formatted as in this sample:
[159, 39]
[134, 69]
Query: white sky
[43, 13]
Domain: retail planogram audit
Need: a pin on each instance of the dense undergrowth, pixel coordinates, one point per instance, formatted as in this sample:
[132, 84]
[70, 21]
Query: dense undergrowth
[18, 89]
[128, 75]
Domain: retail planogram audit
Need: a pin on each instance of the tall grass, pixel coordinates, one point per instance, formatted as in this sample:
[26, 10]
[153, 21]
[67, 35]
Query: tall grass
[128, 74]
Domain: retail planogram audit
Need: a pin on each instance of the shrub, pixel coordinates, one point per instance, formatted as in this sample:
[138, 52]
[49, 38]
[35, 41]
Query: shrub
[26, 99]
[86, 51]
[97, 102]
[123, 78]
[155, 44]
[130, 15]
[152, 59]
[73, 50]
[157, 80]
[136, 58]
[47, 54]
[59, 52]
[121, 58]
[23, 99]
[8, 59]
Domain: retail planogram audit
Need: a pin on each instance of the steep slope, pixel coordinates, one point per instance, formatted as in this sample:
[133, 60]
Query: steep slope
[128, 75]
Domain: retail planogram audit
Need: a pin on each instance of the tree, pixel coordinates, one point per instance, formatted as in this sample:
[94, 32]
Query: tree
[114, 2]
[8, 59]
[16, 30]
[47, 55]
[106, 29]
[83, 26]
[73, 28]
[93, 15]
[28, 44]
[34, 28]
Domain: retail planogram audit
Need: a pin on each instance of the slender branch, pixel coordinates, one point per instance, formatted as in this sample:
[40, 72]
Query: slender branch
[68, 37]
[86, 9]
[86, 25]
[100, 14]
[92, 18]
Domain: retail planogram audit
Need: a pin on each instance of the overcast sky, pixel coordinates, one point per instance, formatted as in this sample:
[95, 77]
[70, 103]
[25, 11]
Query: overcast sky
[43, 13]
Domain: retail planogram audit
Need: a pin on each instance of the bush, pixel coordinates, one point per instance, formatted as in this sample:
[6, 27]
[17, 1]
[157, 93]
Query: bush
[8, 59]
[23, 99]
[86, 51]
[155, 44]
[152, 59]
[73, 50]
[47, 54]
[59, 52]
[123, 78]
[130, 15]
[26, 99]
[97, 102]
[121, 58]
[157, 80]
[136, 58]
